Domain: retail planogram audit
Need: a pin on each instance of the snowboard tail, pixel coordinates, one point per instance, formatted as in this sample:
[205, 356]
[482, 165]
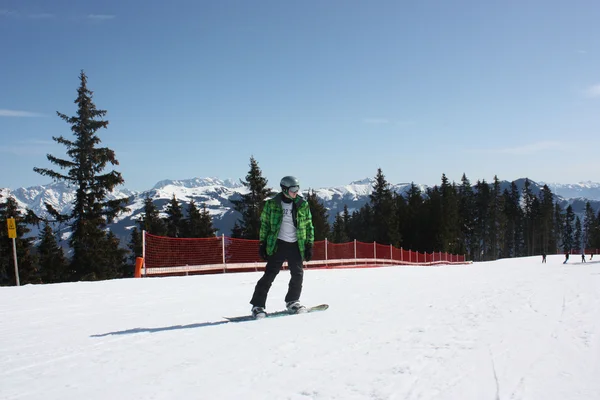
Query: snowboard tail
[282, 313]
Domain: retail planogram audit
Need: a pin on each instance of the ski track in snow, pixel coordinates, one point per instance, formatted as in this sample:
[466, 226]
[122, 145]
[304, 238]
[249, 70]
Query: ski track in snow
[509, 329]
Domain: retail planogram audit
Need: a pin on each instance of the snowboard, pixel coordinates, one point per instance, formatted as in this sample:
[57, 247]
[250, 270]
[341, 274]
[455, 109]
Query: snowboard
[276, 314]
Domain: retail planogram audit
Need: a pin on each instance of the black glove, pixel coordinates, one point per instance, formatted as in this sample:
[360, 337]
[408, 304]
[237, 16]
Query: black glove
[262, 251]
[308, 252]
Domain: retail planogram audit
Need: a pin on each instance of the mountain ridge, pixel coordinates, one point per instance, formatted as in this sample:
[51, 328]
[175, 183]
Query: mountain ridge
[217, 194]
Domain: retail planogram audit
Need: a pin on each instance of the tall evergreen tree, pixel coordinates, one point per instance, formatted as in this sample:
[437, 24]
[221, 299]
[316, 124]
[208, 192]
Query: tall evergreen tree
[431, 221]
[518, 217]
[568, 240]
[548, 235]
[361, 224]
[205, 228]
[496, 220]
[588, 226]
[577, 237]
[346, 219]
[150, 220]
[250, 205]
[338, 231]
[466, 217]
[559, 226]
[174, 221]
[194, 223]
[135, 245]
[450, 228]
[482, 224]
[52, 260]
[596, 232]
[529, 217]
[413, 229]
[117, 259]
[92, 210]
[385, 226]
[319, 216]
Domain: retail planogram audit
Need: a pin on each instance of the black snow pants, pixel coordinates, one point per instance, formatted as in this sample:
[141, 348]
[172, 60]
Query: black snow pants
[285, 251]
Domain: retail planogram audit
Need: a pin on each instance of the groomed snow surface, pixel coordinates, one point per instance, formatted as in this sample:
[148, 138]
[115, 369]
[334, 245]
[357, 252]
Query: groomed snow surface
[508, 329]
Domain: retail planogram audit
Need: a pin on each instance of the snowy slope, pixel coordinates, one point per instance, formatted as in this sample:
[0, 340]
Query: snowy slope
[509, 329]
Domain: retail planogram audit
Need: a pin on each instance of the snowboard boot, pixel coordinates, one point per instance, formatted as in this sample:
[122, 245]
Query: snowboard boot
[258, 312]
[294, 307]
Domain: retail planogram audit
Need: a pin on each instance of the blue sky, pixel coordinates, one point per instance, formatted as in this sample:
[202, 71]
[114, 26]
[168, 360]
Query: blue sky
[328, 91]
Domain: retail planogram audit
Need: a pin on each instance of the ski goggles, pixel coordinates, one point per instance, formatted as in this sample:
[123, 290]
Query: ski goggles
[293, 189]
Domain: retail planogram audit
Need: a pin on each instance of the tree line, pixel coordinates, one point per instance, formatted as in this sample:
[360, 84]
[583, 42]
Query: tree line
[480, 220]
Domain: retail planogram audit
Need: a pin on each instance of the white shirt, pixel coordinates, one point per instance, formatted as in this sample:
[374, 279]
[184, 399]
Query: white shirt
[287, 232]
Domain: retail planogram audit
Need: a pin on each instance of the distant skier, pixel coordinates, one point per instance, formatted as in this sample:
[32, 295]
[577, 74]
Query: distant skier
[543, 258]
[582, 257]
[566, 257]
[286, 233]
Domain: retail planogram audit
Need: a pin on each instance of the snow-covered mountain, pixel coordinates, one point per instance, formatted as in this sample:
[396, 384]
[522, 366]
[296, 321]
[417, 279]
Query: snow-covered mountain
[217, 194]
[586, 190]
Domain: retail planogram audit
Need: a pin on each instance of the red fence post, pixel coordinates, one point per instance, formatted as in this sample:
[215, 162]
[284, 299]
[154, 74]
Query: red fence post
[223, 251]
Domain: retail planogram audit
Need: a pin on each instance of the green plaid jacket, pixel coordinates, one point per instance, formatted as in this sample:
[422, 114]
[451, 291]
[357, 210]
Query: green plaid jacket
[272, 217]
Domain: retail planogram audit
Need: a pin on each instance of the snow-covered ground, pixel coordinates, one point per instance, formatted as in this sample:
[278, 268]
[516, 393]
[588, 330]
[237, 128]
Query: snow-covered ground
[509, 329]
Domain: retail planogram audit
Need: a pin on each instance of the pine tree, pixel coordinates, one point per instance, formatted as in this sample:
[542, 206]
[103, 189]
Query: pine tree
[319, 216]
[26, 261]
[206, 228]
[588, 226]
[385, 226]
[135, 245]
[117, 259]
[52, 260]
[346, 219]
[466, 217]
[431, 222]
[174, 221]
[338, 231]
[413, 229]
[150, 220]
[496, 220]
[193, 221]
[361, 224]
[450, 233]
[596, 232]
[578, 234]
[529, 218]
[514, 217]
[548, 235]
[91, 210]
[559, 226]
[251, 204]
[568, 240]
[482, 223]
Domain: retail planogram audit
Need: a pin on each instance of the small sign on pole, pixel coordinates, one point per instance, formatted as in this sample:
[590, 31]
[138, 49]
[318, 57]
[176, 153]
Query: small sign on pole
[12, 234]
[12, 228]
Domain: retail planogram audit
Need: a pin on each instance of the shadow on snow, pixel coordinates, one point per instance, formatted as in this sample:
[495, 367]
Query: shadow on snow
[160, 329]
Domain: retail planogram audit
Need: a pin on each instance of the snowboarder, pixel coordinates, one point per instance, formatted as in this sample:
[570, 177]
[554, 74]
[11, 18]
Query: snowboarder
[566, 257]
[543, 258]
[286, 233]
